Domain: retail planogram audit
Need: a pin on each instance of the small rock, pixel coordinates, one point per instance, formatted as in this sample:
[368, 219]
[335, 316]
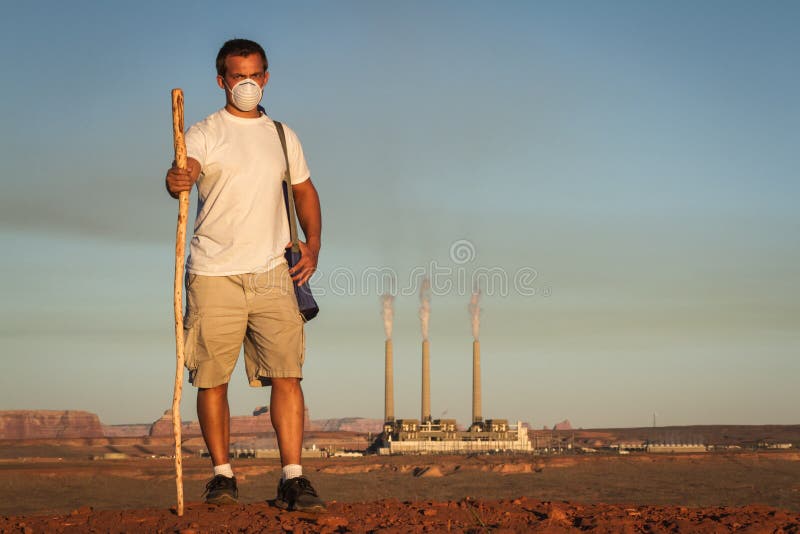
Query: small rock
[333, 521]
[556, 514]
[429, 512]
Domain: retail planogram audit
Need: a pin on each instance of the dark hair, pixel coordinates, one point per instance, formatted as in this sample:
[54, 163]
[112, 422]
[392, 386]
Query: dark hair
[239, 47]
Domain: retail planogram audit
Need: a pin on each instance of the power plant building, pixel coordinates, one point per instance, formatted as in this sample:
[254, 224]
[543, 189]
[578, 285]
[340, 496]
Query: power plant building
[409, 436]
[426, 435]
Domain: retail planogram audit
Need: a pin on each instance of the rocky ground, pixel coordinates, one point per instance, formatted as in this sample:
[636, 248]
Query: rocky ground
[742, 492]
[393, 516]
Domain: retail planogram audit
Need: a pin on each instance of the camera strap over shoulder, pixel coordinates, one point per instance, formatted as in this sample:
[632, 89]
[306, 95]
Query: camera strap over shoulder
[288, 195]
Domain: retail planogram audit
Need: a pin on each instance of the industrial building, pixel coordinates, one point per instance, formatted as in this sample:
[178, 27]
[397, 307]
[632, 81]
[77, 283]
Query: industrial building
[409, 436]
[427, 435]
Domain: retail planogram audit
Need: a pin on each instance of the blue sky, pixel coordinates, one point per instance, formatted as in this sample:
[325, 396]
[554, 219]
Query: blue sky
[638, 157]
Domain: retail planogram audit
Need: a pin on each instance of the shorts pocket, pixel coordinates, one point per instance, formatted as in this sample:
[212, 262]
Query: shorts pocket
[191, 335]
[302, 341]
[189, 280]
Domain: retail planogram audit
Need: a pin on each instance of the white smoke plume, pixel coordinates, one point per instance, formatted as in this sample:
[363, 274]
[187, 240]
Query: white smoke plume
[387, 311]
[475, 313]
[425, 307]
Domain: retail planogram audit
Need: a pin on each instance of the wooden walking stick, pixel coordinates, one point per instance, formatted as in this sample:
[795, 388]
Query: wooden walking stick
[180, 249]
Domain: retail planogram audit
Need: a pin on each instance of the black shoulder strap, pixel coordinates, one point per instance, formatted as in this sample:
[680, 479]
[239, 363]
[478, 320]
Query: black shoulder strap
[288, 196]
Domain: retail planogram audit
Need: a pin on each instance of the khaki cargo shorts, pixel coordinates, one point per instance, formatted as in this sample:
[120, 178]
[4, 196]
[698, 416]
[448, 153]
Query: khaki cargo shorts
[257, 309]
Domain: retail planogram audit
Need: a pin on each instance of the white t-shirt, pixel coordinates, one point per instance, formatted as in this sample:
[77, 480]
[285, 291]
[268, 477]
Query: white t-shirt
[241, 224]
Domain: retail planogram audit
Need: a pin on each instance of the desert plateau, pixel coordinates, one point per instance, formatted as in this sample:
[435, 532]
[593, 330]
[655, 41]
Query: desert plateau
[126, 484]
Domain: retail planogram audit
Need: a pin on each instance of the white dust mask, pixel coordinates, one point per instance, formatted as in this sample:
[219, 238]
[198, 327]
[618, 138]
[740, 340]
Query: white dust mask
[246, 95]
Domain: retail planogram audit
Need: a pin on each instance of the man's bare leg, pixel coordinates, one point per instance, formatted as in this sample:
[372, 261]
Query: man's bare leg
[215, 421]
[286, 409]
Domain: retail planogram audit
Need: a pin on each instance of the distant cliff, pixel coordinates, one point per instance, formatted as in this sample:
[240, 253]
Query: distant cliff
[563, 425]
[348, 424]
[44, 424]
[257, 423]
[36, 424]
[126, 431]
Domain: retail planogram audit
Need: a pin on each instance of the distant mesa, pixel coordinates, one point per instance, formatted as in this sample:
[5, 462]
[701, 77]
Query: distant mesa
[348, 424]
[49, 424]
[563, 425]
[257, 423]
[163, 427]
[126, 431]
[54, 424]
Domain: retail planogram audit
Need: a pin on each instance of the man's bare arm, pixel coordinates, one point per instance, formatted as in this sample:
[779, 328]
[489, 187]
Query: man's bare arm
[309, 213]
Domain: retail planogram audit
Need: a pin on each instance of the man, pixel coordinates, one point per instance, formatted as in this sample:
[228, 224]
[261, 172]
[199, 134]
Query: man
[239, 287]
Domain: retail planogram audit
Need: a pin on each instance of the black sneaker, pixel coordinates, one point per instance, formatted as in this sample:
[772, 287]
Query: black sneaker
[298, 494]
[221, 490]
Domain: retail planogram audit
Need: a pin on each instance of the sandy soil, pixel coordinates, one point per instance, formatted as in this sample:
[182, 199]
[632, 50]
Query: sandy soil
[732, 492]
[517, 515]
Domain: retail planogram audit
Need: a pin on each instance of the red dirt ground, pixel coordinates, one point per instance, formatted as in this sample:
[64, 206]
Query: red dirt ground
[393, 516]
[637, 493]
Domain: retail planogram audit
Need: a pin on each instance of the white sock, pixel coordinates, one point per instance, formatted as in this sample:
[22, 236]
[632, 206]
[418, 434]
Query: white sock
[292, 471]
[224, 470]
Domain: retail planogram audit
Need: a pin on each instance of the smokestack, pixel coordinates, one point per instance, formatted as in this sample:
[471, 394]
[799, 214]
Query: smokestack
[475, 315]
[426, 381]
[388, 315]
[424, 320]
[476, 382]
[388, 401]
